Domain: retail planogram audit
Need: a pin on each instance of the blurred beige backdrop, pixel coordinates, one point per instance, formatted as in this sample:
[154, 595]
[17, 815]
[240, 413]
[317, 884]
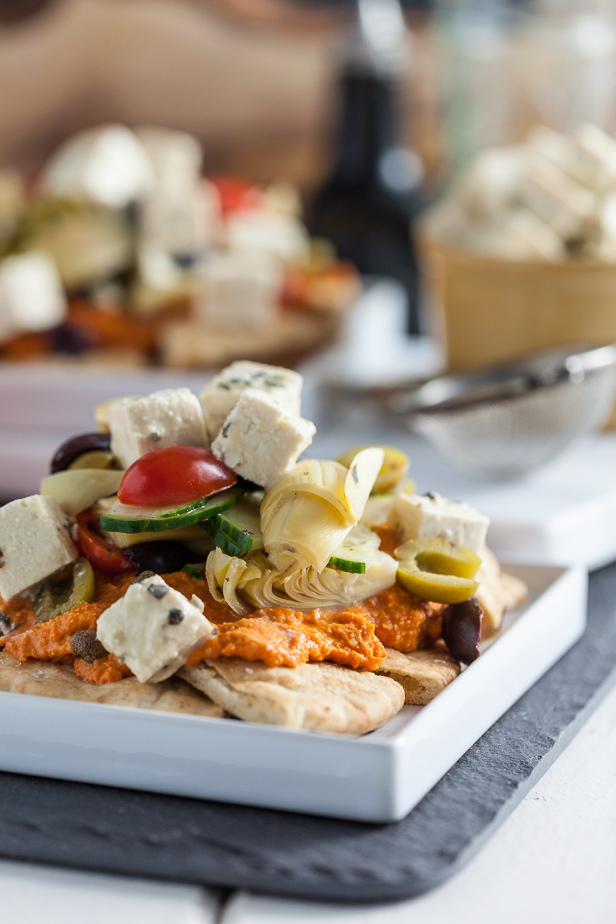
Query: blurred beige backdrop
[252, 78]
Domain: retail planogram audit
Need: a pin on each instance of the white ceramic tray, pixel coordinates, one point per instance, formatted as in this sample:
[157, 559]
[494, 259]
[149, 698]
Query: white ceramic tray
[378, 777]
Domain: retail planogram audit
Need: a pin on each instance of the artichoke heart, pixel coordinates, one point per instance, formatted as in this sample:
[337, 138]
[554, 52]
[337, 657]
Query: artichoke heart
[309, 511]
[246, 584]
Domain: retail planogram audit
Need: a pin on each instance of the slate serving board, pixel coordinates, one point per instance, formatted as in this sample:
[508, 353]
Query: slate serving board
[122, 831]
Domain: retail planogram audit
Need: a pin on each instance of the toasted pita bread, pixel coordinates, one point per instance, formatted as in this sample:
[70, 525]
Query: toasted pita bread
[497, 593]
[422, 673]
[43, 678]
[317, 697]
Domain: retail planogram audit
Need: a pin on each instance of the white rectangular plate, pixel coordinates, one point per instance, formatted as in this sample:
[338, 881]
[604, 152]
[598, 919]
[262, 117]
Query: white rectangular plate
[378, 777]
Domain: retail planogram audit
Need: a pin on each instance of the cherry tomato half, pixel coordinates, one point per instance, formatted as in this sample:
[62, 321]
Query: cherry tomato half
[236, 194]
[102, 555]
[174, 475]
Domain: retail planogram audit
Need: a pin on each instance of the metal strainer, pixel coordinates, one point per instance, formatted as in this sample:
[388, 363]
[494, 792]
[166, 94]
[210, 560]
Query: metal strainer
[505, 421]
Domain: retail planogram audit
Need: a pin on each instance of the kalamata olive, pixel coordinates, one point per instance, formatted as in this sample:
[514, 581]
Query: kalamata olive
[76, 446]
[66, 338]
[85, 645]
[162, 557]
[462, 630]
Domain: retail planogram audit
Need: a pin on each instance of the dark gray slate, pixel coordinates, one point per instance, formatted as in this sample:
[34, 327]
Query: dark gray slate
[122, 831]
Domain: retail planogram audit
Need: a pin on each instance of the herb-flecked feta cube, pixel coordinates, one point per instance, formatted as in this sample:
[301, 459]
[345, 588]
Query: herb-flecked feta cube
[172, 417]
[153, 629]
[221, 393]
[260, 440]
[34, 543]
[428, 516]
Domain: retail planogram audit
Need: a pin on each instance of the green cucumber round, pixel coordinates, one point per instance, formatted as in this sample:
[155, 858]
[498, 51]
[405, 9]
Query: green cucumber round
[224, 542]
[241, 524]
[352, 560]
[122, 518]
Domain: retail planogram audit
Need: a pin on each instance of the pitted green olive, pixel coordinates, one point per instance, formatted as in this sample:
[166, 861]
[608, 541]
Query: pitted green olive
[58, 596]
[437, 570]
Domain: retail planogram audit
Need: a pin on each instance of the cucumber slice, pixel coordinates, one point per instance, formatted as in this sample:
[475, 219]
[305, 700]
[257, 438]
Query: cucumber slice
[121, 518]
[241, 524]
[224, 542]
[352, 560]
[196, 570]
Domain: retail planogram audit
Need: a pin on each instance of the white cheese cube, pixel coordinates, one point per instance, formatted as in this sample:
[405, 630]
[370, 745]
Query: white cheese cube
[175, 156]
[31, 294]
[235, 291]
[428, 516]
[34, 543]
[260, 440]
[107, 165]
[221, 393]
[568, 207]
[153, 629]
[263, 233]
[172, 417]
[524, 236]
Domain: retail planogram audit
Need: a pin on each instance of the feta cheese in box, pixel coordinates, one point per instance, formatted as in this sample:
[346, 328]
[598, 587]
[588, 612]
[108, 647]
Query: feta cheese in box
[34, 543]
[264, 233]
[428, 516]
[107, 165]
[260, 440]
[221, 393]
[153, 629]
[172, 417]
[31, 294]
[237, 291]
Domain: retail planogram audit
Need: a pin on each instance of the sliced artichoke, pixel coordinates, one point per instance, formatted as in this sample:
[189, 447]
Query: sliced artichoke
[309, 511]
[246, 584]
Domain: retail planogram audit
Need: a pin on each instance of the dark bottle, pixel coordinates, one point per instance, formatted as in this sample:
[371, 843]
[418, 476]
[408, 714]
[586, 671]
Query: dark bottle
[367, 205]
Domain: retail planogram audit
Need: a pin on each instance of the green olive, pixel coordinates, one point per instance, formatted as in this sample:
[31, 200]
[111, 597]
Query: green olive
[57, 596]
[437, 570]
[394, 468]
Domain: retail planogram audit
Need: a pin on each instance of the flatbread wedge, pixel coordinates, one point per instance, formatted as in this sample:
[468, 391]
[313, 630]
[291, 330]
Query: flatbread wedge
[422, 673]
[316, 697]
[497, 593]
[43, 678]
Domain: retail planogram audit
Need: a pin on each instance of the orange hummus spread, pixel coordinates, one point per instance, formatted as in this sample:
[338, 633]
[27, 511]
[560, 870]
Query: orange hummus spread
[280, 637]
[283, 638]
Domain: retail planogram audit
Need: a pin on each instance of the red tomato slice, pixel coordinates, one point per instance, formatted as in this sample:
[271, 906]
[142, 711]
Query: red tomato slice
[102, 555]
[236, 194]
[174, 475]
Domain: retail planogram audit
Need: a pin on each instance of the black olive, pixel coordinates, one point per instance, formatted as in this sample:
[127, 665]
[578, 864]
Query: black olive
[75, 447]
[66, 338]
[162, 557]
[462, 630]
[85, 645]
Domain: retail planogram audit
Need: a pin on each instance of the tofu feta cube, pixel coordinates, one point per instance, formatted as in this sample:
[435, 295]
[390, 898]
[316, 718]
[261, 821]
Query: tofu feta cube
[34, 543]
[153, 629]
[260, 440]
[221, 393]
[264, 233]
[428, 516]
[235, 291]
[107, 165]
[31, 294]
[172, 417]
